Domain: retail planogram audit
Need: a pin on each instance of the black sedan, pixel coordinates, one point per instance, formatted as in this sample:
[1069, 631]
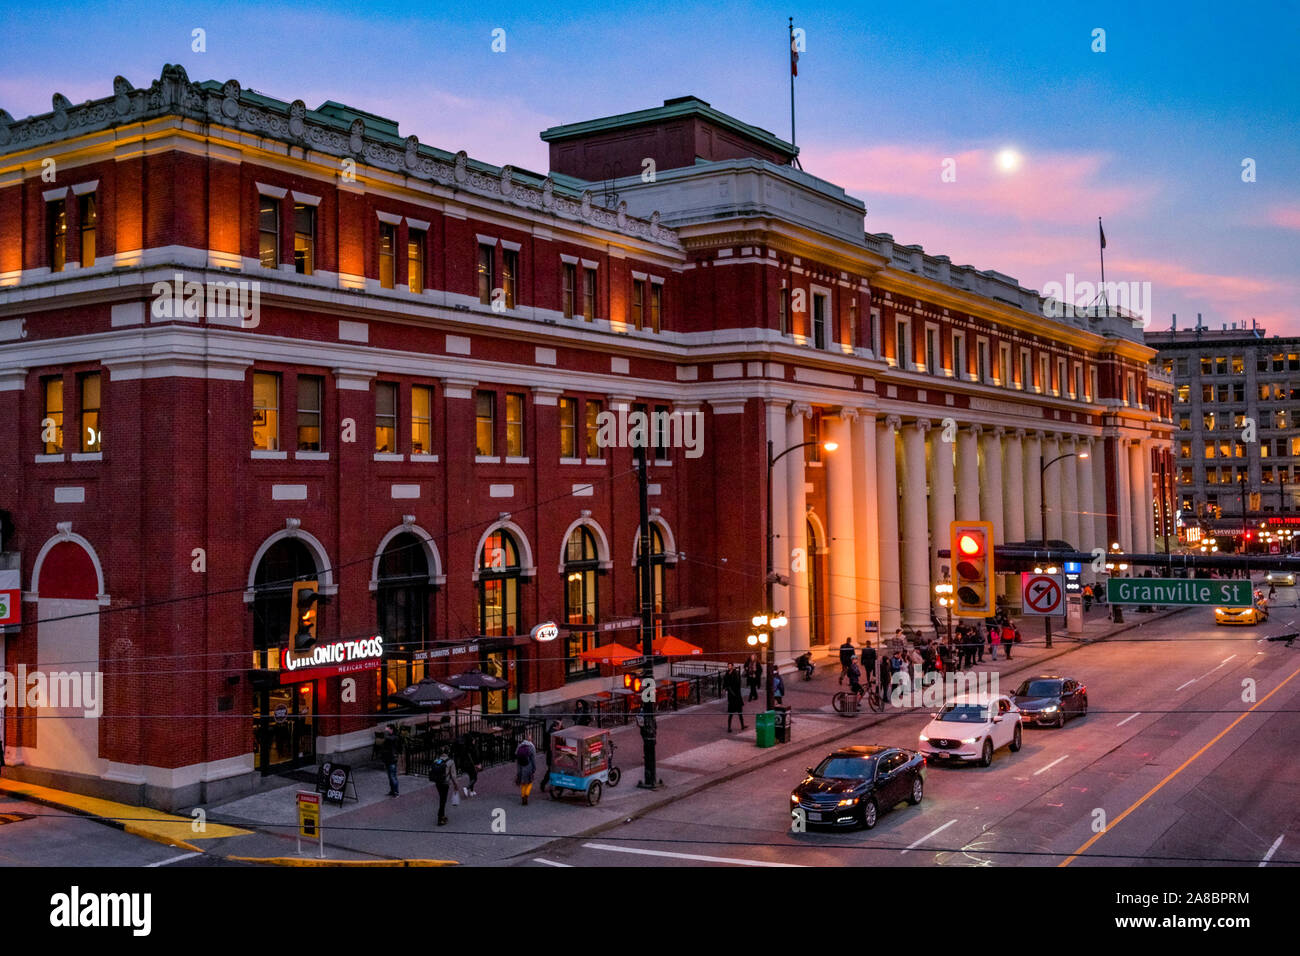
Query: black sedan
[854, 784]
[1050, 700]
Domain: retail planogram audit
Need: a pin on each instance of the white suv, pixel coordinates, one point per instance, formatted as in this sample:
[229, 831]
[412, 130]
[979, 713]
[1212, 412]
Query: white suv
[971, 727]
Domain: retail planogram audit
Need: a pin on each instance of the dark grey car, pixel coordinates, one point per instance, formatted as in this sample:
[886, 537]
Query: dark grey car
[1049, 700]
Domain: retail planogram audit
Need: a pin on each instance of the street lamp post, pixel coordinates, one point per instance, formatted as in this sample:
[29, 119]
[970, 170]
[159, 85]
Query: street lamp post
[771, 573]
[1042, 517]
[944, 591]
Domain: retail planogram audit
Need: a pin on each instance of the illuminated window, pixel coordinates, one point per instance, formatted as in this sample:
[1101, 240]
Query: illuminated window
[52, 415]
[568, 428]
[89, 216]
[498, 586]
[486, 273]
[304, 239]
[515, 444]
[593, 408]
[416, 241]
[570, 288]
[311, 390]
[638, 304]
[485, 423]
[268, 232]
[387, 254]
[385, 417]
[589, 294]
[56, 229]
[421, 420]
[92, 436]
[510, 276]
[656, 306]
[266, 411]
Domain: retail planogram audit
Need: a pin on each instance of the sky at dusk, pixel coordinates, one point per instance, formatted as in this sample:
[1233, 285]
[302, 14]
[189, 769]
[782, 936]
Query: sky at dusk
[1151, 134]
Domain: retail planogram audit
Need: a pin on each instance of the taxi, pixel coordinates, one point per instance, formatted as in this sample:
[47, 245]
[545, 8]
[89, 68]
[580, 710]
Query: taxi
[1255, 614]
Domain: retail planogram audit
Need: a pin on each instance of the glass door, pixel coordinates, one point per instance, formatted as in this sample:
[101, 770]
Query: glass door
[284, 727]
[502, 664]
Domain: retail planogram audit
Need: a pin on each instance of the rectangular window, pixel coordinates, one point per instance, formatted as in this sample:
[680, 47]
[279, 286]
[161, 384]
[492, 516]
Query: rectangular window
[311, 389]
[638, 304]
[92, 436]
[485, 423]
[783, 312]
[1044, 374]
[56, 229]
[656, 307]
[932, 351]
[1132, 389]
[568, 428]
[659, 432]
[593, 407]
[960, 362]
[1026, 369]
[982, 361]
[1061, 383]
[588, 294]
[1078, 382]
[421, 420]
[89, 216]
[487, 276]
[1221, 365]
[570, 288]
[1004, 365]
[1092, 385]
[386, 418]
[1207, 393]
[901, 336]
[416, 241]
[819, 321]
[515, 425]
[387, 254]
[304, 238]
[875, 330]
[510, 276]
[268, 231]
[1238, 365]
[52, 416]
[266, 411]
[1207, 365]
[1239, 393]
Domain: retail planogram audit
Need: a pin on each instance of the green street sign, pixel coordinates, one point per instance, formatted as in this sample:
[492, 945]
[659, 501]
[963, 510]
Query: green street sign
[1179, 591]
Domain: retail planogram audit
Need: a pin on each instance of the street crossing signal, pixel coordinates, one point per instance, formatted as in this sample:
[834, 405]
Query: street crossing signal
[972, 559]
[305, 601]
[632, 683]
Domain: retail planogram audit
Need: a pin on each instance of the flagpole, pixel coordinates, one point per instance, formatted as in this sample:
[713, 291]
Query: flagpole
[1101, 250]
[792, 55]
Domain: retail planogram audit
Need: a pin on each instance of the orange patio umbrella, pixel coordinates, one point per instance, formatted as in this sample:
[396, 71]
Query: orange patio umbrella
[670, 646]
[614, 653]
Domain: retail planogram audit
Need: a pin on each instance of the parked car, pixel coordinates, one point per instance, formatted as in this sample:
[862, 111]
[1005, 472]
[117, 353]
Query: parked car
[1050, 699]
[1284, 578]
[970, 727]
[1255, 614]
[854, 784]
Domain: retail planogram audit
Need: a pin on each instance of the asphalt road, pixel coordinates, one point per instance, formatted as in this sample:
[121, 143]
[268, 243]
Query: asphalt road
[1176, 762]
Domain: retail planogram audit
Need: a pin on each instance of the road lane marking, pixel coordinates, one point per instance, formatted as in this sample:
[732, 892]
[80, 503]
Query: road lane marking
[686, 856]
[538, 859]
[174, 859]
[1205, 675]
[913, 846]
[1271, 850]
[1185, 764]
[1050, 765]
[1127, 719]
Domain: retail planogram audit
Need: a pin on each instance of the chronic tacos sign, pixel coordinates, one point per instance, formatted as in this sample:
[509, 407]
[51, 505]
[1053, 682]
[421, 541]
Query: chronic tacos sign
[336, 657]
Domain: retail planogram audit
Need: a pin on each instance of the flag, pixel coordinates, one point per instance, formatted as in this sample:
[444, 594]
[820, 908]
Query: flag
[794, 56]
[1102, 231]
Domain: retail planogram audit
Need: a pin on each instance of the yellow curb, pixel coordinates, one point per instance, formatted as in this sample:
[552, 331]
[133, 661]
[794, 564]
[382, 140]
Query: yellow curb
[166, 828]
[309, 861]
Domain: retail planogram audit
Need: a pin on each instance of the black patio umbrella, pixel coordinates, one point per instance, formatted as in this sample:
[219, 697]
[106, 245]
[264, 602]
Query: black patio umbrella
[477, 680]
[429, 693]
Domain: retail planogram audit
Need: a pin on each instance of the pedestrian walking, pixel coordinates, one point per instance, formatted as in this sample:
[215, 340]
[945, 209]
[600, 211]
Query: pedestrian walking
[886, 673]
[778, 686]
[525, 768]
[868, 658]
[468, 762]
[980, 638]
[389, 748]
[916, 660]
[1087, 597]
[1008, 640]
[847, 653]
[753, 675]
[995, 639]
[442, 774]
[735, 699]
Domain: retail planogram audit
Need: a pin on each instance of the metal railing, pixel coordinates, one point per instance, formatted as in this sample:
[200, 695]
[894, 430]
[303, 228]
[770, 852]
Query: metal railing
[495, 738]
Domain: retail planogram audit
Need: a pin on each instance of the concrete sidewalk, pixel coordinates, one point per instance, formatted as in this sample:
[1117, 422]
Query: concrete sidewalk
[694, 751]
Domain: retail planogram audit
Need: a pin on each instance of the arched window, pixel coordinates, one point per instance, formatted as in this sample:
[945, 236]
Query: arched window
[285, 562]
[498, 585]
[402, 600]
[658, 565]
[581, 601]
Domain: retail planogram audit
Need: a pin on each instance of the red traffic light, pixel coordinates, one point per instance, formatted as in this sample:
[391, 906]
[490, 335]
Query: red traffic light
[970, 545]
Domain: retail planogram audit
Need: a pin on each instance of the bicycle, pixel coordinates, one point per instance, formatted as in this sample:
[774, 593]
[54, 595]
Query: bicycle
[875, 700]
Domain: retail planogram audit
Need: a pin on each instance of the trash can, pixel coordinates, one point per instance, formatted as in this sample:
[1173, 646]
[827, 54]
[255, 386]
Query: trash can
[784, 723]
[765, 728]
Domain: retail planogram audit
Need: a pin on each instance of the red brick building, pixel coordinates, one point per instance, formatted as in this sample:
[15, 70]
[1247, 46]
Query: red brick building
[245, 344]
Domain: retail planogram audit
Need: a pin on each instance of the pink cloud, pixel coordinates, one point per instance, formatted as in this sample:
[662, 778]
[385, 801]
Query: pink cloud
[1288, 217]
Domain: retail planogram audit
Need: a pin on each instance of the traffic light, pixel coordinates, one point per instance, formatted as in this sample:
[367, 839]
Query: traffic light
[632, 682]
[305, 601]
[972, 559]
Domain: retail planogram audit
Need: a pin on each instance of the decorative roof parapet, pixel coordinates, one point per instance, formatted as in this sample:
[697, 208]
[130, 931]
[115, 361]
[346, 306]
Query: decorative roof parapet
[228, 104]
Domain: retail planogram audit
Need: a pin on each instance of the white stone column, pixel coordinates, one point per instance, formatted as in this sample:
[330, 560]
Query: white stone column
[942, 505]
[776, 432]
[842, 575]
[968, 474]
[891, 603]
[1101, 504]
[916, 540]
[866, 515]
[797, 522]
[991, 490]
[1124, 492]
[1069, 493]
[1146, 517]
[1052, 488]
[1033, 500]
[1013, 493]
[1083, 478]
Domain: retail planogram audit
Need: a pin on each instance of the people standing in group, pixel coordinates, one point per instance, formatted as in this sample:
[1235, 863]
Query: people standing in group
[753, 675]
[443, 776]
[525, 768]
[389, 748]
[847, 653]
[735, 699]
[467, 759]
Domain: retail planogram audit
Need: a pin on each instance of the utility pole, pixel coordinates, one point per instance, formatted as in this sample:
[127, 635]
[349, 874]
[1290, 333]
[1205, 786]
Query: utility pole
[648, 729]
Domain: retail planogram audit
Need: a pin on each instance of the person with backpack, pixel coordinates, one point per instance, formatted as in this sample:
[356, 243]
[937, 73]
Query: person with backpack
[442, 773]
[389, 748]
[778, 686]
[735, 699]
[525, 768]
[467, 760]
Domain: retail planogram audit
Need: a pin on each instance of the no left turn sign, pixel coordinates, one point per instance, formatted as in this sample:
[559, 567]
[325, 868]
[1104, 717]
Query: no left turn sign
[1041, 594]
